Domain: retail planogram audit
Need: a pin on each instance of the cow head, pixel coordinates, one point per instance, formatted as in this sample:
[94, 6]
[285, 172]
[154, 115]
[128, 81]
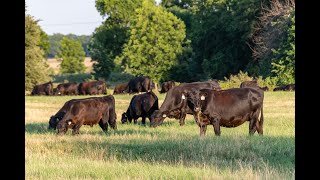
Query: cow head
[157, 118]
[124, 118]
[53, 121]
[63, 126]
[196, 99]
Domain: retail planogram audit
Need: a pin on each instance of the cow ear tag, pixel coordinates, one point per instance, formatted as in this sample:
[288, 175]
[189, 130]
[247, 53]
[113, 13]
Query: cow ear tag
[164, 115]
[183, 97]
[202, 97]
[69, 122]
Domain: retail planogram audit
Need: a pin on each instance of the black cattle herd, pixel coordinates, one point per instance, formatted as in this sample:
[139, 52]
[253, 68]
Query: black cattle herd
[206, 101]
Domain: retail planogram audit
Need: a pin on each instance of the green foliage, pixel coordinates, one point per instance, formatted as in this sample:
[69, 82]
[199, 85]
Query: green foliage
[234, 81]
[283, 64]
[106, 43]
[72, 54]
[36, 69]
[155, 42]
[67, 77]
[108, 39]
[57, 37]
[44, 43]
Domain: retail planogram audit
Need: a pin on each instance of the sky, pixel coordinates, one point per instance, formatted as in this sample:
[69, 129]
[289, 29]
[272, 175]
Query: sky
[78, 17]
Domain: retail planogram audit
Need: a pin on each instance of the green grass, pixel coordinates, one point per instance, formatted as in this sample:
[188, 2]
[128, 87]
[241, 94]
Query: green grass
[166, 152]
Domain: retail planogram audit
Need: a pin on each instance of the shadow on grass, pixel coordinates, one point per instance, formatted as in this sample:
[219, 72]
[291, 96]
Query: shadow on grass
[38, 128]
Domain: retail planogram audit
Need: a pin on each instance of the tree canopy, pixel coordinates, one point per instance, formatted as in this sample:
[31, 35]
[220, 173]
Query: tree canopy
[72, 55]
[36, 69]
[155, 42]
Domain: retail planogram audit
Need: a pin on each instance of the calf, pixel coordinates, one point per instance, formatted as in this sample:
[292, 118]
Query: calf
[227, 108]
[89, 111]
[142, 105]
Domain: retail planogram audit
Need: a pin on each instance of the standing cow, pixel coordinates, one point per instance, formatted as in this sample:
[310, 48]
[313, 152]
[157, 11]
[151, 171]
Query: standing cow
[121, 89]
[43, 89]
[66, 89]
[89, 111]
[289, 87]
[143, 106]
[92, 88]
[140, 84]
[227, 108]
[175, 105]
[166, 86]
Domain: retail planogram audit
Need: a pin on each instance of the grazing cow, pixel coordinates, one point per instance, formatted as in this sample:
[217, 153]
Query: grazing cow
[166, 86]
[142, 105]
[227, 108]
[174, 104]
[121, 89]
[53, 121]
[252, 84]
[265, 88]
[140, 84]
[92, 88]
[43, 89]
[89, 111]
[66, 89]
[289, 87]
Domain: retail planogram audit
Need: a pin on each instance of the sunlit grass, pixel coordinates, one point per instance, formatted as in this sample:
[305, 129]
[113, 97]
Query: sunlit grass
[166, 152]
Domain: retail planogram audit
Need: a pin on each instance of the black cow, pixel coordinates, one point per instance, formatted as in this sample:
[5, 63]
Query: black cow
[227, 108]
[140, 84]
[166, 86]
[121, 88]
[43, 89]
[66, 89]
[142, 105]
[53, 121]
[252, 84]
[174, 104]
[92, 88]
[289, 87]
[89, 111]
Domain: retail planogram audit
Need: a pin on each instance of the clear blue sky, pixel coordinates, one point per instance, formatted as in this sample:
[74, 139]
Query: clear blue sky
[78, 17]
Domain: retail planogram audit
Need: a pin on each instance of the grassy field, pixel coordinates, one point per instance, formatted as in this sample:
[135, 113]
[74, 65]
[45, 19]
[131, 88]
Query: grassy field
[55, 64]
[166, 152]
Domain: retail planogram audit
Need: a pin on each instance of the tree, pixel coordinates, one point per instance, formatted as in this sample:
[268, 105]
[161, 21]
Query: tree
[72, 54]
[155, 42]
[283, 64]
[36, 69]
[44, 43]
[271, 33]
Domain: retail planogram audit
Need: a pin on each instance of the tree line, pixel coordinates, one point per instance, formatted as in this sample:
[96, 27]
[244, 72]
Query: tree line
[190, 40]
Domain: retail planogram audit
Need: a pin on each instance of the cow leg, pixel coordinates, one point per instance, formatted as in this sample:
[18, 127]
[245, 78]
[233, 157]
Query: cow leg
[143, 120]
[75, 129]
[216, 126]
[103, 125]
[135, 120]
[254, 123]
[203, 130]
[182, 118]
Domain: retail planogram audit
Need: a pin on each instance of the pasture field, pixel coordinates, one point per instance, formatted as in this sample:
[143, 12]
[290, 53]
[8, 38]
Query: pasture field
[166, 152]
